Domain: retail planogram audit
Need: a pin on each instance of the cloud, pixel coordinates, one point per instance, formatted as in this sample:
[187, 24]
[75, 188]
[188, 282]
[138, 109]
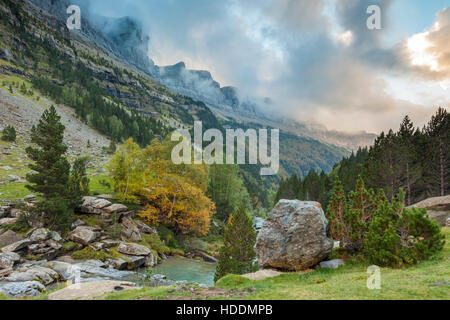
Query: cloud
[428, 52]
[316, 60]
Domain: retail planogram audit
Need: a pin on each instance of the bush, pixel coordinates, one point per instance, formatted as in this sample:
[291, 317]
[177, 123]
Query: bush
[166, 235]
[399, 236]
[192, 244]
[9, 134]
[385, 232]
[152, 241]
[349, 216]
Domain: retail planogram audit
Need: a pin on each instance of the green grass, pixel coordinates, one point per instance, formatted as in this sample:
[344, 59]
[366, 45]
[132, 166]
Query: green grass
[349, 282]
[144, 293]
[96, 187]
[346, 283]
[13, 191]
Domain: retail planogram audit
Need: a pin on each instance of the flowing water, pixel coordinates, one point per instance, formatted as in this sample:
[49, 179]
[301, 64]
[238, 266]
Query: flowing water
[187, 269]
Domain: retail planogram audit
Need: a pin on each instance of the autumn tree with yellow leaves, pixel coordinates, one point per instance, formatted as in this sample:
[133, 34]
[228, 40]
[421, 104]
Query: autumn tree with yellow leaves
[173, 195]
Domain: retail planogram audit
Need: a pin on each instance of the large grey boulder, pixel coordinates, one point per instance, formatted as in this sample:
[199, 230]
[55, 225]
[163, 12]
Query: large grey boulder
[84, 235]
[135, 262]
[44, 275]
[99, 269]
[22, 289]
[438, 208]
[92, 205]
[9, 237]
[294, 236]
[145, 228]
[90, 290]
[7, 260]
[131, 230]
[133, 249]
[115, 208]
[119, 263]
[16, 246]
[65, 270]
[39, 234]
[8, 221]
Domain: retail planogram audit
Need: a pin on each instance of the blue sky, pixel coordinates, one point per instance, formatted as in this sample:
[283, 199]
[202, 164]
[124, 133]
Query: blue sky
[413, 16]
[315, 59]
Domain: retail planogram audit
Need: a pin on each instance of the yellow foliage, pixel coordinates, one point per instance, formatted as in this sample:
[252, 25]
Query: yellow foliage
[172, 201]
[126, 168]
[173, 194]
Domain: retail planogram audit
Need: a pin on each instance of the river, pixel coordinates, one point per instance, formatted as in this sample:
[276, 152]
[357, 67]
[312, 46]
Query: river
[178, 269]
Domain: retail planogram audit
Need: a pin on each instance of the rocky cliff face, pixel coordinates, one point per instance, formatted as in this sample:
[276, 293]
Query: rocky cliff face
[126, 39]
[123, 37]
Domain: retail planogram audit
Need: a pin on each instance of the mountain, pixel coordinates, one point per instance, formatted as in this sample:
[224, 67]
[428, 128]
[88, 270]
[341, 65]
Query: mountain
[125, 38]
[103, 74]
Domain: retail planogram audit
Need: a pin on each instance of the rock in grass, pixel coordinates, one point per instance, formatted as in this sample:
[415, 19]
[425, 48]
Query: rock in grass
[4, 211]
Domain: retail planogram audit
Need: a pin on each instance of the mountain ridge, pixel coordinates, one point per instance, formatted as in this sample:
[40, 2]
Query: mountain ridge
[126, 38]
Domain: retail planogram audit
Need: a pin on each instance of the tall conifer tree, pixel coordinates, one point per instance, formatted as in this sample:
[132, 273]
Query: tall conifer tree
[237, 255]
[51, 169]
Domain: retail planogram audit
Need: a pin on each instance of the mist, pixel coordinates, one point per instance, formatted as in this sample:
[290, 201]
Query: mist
[292, 53]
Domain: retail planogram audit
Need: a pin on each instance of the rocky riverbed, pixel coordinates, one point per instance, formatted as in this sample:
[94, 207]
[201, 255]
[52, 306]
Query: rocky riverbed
[39, 260]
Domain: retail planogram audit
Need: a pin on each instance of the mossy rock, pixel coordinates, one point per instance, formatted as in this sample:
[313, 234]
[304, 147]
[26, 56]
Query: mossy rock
[70, 246]
[88, 253]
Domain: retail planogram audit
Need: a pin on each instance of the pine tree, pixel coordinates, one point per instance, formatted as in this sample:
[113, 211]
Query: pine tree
[112, 147]
[237, 254]
[9, 134]
[78, 182]
[383, 168]
[336, 211]
[51, 169]
[408, 157]
[438, 165]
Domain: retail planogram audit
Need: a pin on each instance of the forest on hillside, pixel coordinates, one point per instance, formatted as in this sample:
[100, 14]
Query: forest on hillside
[413, 159]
